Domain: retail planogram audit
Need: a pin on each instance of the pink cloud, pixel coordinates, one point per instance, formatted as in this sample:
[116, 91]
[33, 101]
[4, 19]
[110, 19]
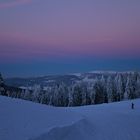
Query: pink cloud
[13, 3]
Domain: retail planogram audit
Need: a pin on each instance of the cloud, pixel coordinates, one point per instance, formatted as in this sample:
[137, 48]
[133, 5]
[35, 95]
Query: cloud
[13, 4]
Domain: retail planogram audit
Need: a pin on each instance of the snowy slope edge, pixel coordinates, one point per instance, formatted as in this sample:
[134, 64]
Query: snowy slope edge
[75, 131]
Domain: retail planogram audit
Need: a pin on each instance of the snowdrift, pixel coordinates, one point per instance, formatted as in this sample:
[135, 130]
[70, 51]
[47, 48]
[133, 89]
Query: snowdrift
[76, 131]
[23, 120]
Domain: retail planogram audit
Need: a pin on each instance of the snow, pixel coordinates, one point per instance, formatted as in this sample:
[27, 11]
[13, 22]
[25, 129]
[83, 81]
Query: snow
[101, 72]
[49, 81]
[24, 120]
[28, 87]
[76, 74]
[111, 72]
[86, 79]
[23, 87]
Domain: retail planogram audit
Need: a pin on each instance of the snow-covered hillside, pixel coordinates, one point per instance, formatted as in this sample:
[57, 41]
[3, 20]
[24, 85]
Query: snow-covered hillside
[23, 120]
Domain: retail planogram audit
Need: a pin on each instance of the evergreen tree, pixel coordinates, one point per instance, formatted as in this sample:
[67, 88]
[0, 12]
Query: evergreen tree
[130, 87]
[2, 89]
[46, 97]
[36, 93]
[138, 86]
[109, 89]
[70, 96]
[77, 95]
[27, 94]
[85, 95]
[104, 88]
[92, 93]
[99, 96]
[1, 80]
[119, 87]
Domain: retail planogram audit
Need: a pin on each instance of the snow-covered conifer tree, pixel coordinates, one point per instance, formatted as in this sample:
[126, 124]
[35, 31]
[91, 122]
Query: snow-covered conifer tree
[27, 94]
[85, 95]
[77, 95]
[70, 96]
[103, 84]
[119, 87]
[35, 95]
[99, 95]
[109, 87]
[138, 86]
[2, 90]
[130, 87]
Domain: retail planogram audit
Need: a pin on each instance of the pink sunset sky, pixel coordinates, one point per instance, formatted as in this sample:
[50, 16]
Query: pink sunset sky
[44, 29]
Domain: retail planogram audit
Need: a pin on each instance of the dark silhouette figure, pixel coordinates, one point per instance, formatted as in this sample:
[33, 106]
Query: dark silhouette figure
[132, 105]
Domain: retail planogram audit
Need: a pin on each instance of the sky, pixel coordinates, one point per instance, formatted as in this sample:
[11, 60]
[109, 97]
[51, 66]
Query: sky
[40, 37]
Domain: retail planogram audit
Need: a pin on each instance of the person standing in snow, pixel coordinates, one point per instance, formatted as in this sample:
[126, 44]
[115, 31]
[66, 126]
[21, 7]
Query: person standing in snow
[132, 105]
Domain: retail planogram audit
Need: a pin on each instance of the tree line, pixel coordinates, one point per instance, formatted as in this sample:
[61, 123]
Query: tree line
[102, 89]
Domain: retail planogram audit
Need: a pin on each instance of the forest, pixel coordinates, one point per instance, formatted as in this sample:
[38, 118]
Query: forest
[103, 89]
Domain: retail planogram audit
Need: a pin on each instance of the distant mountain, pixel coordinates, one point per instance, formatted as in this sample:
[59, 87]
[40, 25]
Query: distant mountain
[57, 79]
[43, 81]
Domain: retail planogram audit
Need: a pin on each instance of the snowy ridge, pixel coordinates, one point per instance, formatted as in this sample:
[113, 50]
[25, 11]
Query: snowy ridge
[111, 72]
[69, 132]
[24, 120]
[76, 74]
[101, 72]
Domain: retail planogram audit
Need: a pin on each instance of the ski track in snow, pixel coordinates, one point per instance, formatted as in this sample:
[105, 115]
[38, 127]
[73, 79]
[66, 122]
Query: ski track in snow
[23, 120]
